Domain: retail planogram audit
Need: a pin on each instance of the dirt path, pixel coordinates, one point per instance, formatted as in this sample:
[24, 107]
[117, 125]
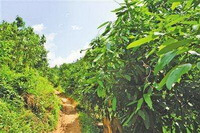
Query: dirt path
[68, 120]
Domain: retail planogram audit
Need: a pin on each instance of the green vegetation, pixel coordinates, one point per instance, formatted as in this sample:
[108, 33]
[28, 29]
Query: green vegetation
[143, 70]
[141, 74]
[87, 124]
[27, 100]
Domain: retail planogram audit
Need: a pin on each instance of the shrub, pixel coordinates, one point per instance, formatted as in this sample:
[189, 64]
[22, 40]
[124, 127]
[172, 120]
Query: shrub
[28, 102]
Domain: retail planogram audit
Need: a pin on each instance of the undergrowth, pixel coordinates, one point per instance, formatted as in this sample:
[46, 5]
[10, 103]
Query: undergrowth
[27, 102]
[87, 124]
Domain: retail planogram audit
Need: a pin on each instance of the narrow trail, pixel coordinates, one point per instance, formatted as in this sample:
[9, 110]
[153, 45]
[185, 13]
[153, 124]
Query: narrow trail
[68, 120]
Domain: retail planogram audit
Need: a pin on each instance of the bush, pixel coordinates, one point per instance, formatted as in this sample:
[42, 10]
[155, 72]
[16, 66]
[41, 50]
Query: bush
[28, 102]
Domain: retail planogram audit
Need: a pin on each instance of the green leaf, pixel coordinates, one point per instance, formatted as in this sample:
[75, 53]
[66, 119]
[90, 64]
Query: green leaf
[174, 5]
[167, 42]
[142, 114]
[150, 53]
[176, 74]
[128, 77]
[139, 104]
[131, 37]
[198, 65]
[101, 92]
[147, 84]
[176, 0]
[172, 46]
[131, 103]
[103, 24]
[100, 83]
[188, 4]
[176, 19]
[164, 80]
[147, 99]
[190, 22]
[163, 61]
[164, 129]
[108, 28]
[146, 121]
[98, 57]
[181, 50]
[114, 104]
[140, 42]
[129, 118]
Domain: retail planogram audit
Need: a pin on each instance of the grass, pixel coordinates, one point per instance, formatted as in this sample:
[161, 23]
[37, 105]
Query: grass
[87, 124]
[27, 102]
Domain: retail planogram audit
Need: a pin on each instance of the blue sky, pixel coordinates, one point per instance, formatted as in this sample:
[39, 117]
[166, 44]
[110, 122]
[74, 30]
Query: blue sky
[68, 25]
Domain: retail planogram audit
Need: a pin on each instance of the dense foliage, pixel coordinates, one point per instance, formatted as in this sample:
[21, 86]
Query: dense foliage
[21, 47]
[140, 75]
[144, 70]
[27, 100]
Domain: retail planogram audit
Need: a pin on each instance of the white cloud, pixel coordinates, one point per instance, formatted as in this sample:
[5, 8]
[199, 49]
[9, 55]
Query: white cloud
[51, 36]
[38, 28]
[67, 14]
[76, 27]
[60, 25]
[50, 45]
[72, 57]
